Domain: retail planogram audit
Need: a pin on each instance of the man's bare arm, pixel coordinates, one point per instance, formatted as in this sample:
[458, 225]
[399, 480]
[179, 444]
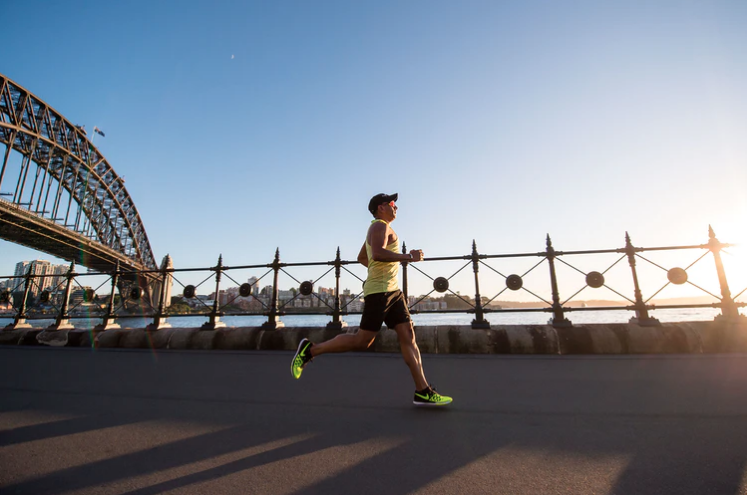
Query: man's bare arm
[378, 234]
[363, 256]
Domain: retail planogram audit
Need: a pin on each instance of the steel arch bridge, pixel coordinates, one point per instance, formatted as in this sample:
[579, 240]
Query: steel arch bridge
[61, 196]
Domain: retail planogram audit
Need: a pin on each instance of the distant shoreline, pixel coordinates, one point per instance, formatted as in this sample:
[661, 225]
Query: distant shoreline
[598, 303]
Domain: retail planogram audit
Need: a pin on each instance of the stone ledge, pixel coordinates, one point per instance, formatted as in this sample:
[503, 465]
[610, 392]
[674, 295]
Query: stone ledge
[669, 338]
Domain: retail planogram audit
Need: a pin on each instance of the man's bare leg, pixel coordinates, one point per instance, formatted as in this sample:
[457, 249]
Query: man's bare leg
[345, 342]
[411, 353]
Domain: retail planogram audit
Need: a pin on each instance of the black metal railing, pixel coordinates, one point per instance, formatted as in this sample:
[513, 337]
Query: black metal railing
[151, 302]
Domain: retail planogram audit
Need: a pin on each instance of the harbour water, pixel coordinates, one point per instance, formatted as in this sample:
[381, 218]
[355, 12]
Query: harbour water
[433, 319]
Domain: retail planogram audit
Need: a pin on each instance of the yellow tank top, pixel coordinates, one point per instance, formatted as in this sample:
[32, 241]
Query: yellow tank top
[382, 275]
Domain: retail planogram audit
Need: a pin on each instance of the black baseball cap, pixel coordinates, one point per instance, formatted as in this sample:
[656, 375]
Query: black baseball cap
[380, 198]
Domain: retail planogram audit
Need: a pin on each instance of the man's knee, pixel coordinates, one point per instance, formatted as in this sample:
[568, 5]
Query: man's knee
[364, 344]
[406, 334]
[364, 341]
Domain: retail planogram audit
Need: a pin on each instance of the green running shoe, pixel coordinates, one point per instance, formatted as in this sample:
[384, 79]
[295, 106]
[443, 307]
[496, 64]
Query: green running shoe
[302, 357]
[429, 398]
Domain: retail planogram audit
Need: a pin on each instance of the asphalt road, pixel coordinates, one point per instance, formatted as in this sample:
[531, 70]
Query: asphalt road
[117, 421]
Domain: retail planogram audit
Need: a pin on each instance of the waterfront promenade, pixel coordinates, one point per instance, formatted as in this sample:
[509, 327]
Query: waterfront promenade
[116, 421]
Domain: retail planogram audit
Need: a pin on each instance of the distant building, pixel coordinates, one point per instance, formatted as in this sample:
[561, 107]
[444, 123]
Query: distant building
[56, 281]
[254, 282]
[36, 267]
[354, 305]
[21, 270]
[78, 296]
[48, 276]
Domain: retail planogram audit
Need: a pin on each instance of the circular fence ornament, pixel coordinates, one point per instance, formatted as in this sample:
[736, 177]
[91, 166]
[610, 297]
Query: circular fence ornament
[514, 282]
[190, 291]
[44, 296]
[441, 284]
[5, 296]
[245, 290]
[136, 293]
[594, 280]
[677, 276]
[306, 288]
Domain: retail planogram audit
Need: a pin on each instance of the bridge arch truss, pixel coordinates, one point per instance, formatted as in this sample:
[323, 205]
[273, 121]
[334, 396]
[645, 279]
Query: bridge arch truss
[61, 178]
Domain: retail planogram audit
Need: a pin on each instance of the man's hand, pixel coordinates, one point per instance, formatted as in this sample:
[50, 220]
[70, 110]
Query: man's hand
[417, 254]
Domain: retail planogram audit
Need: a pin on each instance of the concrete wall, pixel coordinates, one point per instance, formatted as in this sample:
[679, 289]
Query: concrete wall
[690, 337]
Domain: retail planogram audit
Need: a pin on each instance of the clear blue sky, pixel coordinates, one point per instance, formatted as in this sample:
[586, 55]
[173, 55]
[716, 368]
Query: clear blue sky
[245, 126]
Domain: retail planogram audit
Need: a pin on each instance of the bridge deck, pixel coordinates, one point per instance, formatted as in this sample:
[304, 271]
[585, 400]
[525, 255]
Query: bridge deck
[105, 422]
[22, 227]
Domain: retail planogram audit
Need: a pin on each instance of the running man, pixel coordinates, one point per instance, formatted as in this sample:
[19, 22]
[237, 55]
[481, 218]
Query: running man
[384, 303]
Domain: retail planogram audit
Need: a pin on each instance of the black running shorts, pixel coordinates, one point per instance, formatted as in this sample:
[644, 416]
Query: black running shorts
[384, 307]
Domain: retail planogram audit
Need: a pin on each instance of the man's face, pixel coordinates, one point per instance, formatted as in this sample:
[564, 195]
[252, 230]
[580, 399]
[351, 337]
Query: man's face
[388, 211]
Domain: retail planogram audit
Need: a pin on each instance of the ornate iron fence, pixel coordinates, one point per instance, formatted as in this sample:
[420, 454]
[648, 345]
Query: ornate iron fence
[302, 299]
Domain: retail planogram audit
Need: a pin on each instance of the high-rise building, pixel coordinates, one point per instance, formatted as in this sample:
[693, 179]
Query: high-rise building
[254, 282]
[56, 280]
[48, 276]
[21, 270]
[40, 268]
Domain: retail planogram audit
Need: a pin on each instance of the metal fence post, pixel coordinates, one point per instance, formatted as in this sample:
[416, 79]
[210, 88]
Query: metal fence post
[558, 319]
[107, 323]
[214, 319]
[63, 319]
[337, 323]
[273, 322]
[729, 309]
[641, 311]
[479, 321]
[159, 320]
[20, 319]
